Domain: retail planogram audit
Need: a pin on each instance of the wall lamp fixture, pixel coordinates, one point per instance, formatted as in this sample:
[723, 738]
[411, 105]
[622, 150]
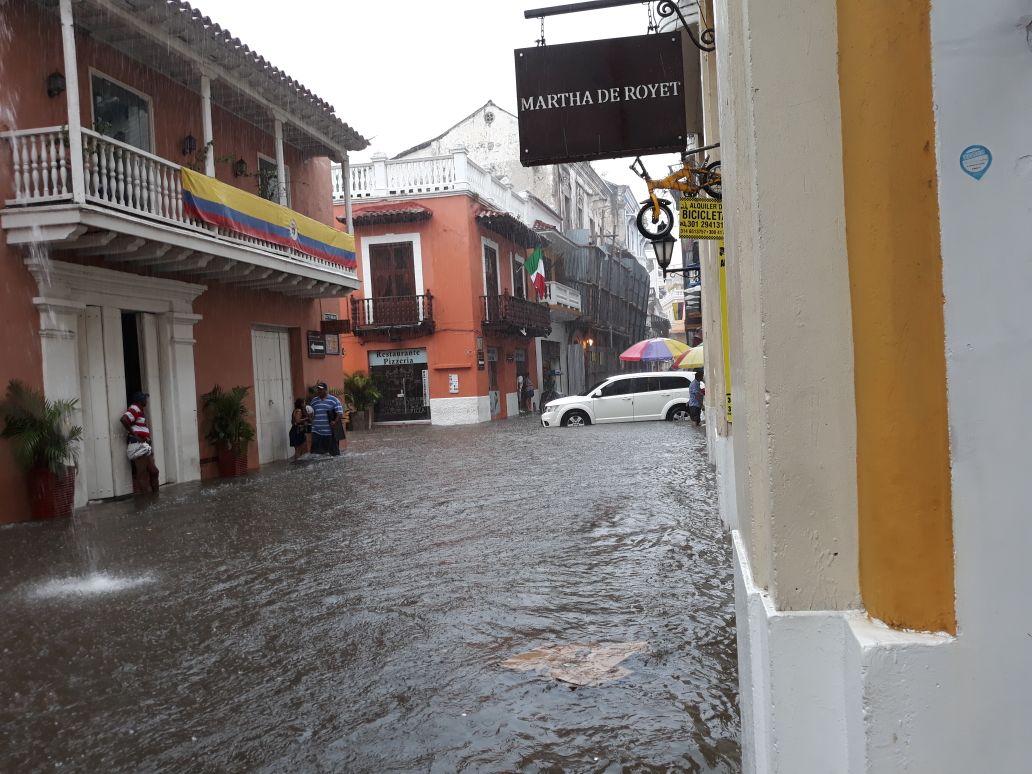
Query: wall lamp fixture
[239, 168]
[189, 144]
[55, 84]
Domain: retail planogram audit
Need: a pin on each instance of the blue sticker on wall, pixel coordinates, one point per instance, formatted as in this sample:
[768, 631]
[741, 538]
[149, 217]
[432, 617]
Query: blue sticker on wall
[975, 160]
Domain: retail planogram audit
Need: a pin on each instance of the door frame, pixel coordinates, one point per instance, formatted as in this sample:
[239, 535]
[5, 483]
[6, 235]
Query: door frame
[485, 242]
[64, 290]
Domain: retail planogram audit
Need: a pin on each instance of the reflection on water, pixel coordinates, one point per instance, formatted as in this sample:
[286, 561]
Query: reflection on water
[354, 615]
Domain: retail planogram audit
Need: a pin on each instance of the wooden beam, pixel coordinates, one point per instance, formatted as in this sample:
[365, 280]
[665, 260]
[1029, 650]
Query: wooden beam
[119, 246]
[192, 264]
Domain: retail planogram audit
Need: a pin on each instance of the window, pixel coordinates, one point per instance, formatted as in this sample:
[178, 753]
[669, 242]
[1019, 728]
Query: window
[673, 382]
[121, 113]
[619, 387]
[392, 270]
[268, 179]
[646, 384]
[567, 212]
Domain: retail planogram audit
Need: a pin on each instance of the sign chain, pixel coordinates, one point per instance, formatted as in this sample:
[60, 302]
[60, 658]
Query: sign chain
[541, 41]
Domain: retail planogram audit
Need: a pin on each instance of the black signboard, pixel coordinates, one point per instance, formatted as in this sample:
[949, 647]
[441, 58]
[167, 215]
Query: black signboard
[316, 344]
[601, 99]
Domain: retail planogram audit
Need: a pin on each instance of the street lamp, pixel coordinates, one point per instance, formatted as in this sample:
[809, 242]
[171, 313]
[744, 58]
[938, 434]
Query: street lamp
[664, 250]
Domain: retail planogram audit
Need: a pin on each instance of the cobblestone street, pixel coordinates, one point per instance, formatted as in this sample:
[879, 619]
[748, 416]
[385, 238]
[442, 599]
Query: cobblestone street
[353, 614]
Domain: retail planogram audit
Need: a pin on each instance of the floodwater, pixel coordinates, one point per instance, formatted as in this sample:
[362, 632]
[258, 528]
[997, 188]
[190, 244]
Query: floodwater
[352, 614]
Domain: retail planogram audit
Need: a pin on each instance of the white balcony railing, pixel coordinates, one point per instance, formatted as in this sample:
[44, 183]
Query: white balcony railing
[121, 177]
[558, 294]
[384, 178]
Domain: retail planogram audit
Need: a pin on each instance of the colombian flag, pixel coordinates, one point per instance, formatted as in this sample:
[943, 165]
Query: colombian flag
[206, 199]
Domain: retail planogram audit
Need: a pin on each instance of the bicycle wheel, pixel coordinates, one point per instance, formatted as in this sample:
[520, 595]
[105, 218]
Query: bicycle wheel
[655, 229]
[711, 183]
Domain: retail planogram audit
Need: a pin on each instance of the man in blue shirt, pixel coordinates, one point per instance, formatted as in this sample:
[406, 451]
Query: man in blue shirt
[329, 415]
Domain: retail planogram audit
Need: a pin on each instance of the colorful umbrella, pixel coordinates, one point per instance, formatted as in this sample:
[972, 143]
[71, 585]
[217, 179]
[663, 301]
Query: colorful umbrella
[654, 350]
[690, 360]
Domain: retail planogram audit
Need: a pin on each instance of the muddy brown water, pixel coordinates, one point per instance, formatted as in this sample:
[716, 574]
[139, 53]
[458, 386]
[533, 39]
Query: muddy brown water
[351, 615]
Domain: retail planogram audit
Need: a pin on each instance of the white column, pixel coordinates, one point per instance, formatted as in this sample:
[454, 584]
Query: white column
[72, 100]
[460, 160]
[379, 174]
[345, 172]
[206, 131]
[58, 338]
[281, 170]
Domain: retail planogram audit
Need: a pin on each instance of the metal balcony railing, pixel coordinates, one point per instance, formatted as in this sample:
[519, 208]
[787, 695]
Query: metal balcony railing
[515, 316]
[393, 315]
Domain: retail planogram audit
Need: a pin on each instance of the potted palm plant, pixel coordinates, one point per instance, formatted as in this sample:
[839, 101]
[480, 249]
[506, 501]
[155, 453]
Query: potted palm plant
[228, 429]
[360, 391]
[45, 445]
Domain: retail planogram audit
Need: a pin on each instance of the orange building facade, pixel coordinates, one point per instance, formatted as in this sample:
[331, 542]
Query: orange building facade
[445, 320]
[108, 284]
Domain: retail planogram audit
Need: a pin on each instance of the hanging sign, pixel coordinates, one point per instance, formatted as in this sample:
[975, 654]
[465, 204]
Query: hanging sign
[604, 99]
[702, 219]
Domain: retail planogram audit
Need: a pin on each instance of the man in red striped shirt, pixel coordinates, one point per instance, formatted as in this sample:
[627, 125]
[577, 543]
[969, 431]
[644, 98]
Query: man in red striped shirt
[139, 449]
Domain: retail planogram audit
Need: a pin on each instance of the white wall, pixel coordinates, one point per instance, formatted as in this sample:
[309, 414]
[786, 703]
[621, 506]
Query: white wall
[982, 72]
[913, 701]
[460, 411]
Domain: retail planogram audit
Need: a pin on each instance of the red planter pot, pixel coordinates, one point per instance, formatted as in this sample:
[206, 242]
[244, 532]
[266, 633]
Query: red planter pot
[232, 461]
[51, 495]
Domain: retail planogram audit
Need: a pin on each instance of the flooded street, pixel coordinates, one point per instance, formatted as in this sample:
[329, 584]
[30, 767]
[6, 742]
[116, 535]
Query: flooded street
[352, 614]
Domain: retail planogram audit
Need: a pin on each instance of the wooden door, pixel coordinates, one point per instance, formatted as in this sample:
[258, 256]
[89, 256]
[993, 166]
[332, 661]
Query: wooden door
[270, 351]
[519, 284]
[491, 271]
[392, 270]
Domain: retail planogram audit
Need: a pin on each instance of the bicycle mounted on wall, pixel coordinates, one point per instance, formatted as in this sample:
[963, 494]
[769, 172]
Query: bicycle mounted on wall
[656, 218]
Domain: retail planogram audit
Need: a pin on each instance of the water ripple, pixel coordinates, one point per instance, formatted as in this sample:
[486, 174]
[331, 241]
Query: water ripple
[353, 615]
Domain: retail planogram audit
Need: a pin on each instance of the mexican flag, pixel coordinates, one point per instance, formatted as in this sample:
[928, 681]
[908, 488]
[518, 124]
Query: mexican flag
[534, 265]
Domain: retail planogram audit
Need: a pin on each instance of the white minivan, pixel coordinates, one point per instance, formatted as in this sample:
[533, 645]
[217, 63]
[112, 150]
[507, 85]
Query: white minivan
[624, 398]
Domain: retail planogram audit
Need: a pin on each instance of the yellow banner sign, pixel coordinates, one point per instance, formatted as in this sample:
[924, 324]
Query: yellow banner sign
[702, 219]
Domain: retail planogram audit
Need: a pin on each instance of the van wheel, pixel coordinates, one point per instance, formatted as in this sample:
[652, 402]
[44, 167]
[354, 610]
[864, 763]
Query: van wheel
[576, 419]
[677, 414]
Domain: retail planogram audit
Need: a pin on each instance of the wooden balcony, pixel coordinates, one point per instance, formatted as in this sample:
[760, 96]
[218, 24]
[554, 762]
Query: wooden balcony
[513, 316]
[393, 317]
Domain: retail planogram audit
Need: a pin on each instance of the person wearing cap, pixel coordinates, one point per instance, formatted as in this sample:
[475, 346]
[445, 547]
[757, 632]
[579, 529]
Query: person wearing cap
[328, 416]
[139, 447]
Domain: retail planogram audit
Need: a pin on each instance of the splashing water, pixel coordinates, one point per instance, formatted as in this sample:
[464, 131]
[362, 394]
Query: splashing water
[94, 583]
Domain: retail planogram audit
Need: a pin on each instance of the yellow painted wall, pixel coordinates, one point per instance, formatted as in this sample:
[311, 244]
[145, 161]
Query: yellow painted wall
[895, 268]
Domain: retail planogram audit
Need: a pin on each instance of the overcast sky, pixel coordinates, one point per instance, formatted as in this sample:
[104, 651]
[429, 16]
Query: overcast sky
[403, 71]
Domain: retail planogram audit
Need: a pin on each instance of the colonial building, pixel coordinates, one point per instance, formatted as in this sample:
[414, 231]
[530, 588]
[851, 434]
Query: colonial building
[596, 247]
[166, 228]
[446, 319]
[868, 376]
